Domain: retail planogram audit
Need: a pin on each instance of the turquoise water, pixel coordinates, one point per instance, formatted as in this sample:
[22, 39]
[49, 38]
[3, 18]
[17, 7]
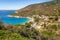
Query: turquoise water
[11, 20]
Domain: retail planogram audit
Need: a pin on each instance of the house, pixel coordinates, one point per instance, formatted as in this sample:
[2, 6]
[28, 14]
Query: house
[58, 19]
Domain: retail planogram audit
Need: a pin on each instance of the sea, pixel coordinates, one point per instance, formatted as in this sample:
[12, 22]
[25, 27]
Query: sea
[11, 20]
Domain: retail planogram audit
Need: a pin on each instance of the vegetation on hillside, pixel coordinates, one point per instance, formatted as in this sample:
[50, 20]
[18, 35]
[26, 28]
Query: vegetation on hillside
[26, 32]
[46, 8]
[50, 28]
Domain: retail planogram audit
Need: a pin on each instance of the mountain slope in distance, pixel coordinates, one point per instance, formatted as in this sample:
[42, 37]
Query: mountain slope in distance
[46, 8]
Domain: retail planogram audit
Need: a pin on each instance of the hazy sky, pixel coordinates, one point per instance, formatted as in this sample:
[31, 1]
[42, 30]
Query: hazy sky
[17, 4]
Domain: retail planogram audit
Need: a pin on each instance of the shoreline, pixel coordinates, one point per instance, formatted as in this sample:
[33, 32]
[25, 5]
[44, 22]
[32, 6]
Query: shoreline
[30, 19]
[14, 16]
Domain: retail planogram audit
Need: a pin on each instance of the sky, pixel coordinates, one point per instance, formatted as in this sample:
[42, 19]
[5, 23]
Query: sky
[17, 4]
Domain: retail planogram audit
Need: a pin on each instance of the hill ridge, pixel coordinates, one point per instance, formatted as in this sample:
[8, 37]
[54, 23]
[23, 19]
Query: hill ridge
[45, 8]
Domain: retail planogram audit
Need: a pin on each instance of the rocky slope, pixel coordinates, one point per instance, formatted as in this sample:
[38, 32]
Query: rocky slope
[46, 8]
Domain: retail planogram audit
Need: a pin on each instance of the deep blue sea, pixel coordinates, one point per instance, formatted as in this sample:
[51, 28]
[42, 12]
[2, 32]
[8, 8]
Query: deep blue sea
[11, 20]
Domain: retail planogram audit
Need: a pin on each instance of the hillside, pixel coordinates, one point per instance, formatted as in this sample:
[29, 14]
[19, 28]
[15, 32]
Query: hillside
[46, 8]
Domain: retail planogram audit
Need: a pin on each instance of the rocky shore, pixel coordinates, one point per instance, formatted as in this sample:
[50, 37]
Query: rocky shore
[14, 16]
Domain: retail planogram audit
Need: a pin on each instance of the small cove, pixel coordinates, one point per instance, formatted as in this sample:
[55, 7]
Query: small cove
[11, 20]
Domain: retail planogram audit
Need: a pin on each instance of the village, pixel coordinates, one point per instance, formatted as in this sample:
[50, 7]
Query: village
[41, 20]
